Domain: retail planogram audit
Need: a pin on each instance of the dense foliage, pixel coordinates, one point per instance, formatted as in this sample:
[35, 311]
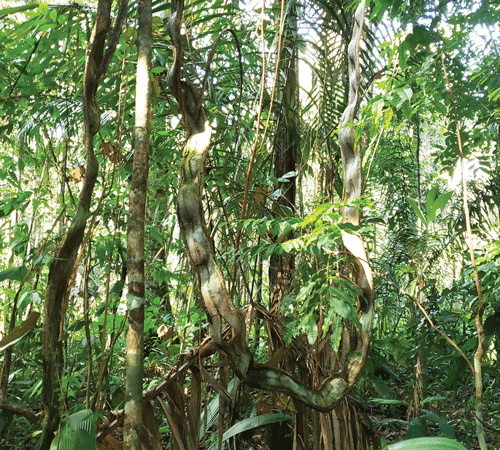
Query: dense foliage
[412, 127]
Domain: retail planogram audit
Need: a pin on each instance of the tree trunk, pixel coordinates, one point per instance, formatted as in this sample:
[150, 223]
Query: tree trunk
[132, 435]
[419, 368]
[286, 148]
[285, 152]
[478, 355]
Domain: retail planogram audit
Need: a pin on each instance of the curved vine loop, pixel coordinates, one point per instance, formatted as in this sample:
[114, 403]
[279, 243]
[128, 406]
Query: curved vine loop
[353, 189]
[200, 249]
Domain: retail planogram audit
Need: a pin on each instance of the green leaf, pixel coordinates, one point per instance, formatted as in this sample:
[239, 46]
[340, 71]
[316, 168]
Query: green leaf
[263, 228]
[427, 443]
[253, 422]
[444, 425]
[212, 412]
[156, 235]
[311, 329]
[18, 332]
[440, 107]
[388, 401]
[330, 317]
[342, 303]
[287, 246]
[437, 205]
[43, 8]
[291, 330]
[436, 398]
[14, 273]
[77, 431]
[17, 9]
[29, 298]
[340, 307]
[16, 202]
[382, 389]
[387, 118]
[269, 250]
[495, 94]
[336, 333]
[402, 55]
[305, 291]
[429, 200]
[417, 211]
[283, 179]
[76, 326]
[405, 93]
[117, 287]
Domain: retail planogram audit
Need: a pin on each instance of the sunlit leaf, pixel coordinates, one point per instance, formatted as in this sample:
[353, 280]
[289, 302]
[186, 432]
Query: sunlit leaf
[18, 332]
[17, 9]
[427, 443]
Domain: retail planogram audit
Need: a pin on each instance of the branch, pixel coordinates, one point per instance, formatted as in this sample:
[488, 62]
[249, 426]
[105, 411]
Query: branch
[28, 414]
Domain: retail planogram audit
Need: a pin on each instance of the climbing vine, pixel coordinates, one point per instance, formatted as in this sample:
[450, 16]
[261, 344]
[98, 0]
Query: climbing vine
[200, 248]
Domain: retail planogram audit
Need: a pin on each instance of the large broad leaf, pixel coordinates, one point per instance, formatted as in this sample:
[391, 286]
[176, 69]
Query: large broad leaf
[14, 273]
[18, 332]
[427, 443]
[435, 205]
[212, 412]
[444, 426]
[78, 431]
[253, 422]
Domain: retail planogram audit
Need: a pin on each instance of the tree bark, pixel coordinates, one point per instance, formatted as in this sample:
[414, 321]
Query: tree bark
[285, 153]
[286, 148]
[133, 436]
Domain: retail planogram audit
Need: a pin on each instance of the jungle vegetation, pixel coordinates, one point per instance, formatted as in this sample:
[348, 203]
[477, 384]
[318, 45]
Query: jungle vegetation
[233, 224]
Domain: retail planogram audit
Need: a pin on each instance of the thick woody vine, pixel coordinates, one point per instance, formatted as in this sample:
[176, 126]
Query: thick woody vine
[353, 189]
[200, 249]
[101, 47]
